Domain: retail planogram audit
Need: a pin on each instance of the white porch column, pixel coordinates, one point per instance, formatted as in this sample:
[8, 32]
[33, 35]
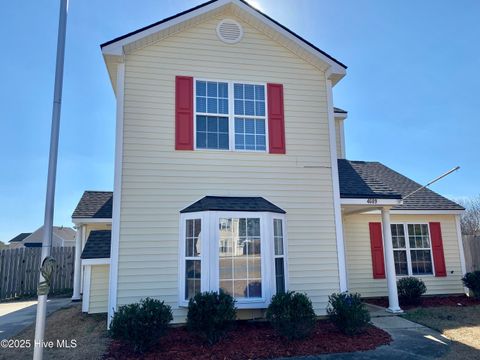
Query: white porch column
[78, 264]
[393, 305]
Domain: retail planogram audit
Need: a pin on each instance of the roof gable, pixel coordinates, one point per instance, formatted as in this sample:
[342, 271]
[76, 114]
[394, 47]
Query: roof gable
[114, 50]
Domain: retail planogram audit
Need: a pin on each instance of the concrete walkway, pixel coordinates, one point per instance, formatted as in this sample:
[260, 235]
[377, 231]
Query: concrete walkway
[410, 341]
[17, 315]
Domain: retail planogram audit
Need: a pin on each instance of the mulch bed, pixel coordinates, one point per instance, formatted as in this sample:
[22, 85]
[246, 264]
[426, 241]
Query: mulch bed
[254, 341]
[431, 301]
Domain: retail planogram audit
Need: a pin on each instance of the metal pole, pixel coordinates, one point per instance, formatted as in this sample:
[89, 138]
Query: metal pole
[434, 180]
[52, 172]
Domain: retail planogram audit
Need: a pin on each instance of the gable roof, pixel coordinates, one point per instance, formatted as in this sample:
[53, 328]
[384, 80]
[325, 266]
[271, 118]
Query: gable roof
[94, 205]
[363, 179]
[20, 237]
[233, 203]
[97, 245]
[218, 3]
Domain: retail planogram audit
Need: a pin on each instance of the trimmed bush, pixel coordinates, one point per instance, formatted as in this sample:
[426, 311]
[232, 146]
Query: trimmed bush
[291, 315]
[141, 324]
[410, 289]
[348, 312]
[472, 281]
[211, 315]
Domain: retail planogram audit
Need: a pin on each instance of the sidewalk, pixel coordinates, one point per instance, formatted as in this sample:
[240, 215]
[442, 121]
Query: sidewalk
[410, 341]
[17, 315]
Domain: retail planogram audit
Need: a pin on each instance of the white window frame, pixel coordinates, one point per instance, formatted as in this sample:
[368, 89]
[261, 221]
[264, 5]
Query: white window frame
[209, 255]
[231, 114]
[408, 249]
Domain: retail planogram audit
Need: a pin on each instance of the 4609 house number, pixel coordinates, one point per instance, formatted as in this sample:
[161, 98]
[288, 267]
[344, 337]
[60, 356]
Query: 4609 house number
[372, 201]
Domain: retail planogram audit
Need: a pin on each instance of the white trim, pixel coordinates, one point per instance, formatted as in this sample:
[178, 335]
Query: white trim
[342, 139]
[341, 116]
[116, 48]
[77, 275]
[209, 255]
[417, 212]
[86, 290]
[117, 195]
[230, 115]
[342, 267]
[373, 202]
[99, 261]
[80, 221]
[460, 245]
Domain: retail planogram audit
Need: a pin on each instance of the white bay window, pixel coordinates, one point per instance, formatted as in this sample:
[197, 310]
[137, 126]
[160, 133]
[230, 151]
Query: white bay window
[241, 253]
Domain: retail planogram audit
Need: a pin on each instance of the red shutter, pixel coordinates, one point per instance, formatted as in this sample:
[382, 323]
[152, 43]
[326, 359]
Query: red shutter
[276, 119]
[376, 243]
[183, 113]
[437, 248]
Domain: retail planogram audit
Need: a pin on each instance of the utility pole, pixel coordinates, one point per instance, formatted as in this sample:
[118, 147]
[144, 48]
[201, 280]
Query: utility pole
[52, 174]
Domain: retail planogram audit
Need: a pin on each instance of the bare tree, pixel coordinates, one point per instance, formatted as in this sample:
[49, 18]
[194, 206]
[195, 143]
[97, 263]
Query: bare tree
[470, 219]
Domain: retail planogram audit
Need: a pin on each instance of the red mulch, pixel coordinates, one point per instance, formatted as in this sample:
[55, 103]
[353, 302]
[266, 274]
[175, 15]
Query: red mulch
[254, 341]
[431, 301]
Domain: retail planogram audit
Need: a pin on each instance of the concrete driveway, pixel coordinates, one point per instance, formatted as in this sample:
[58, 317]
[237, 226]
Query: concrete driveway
[17, 315]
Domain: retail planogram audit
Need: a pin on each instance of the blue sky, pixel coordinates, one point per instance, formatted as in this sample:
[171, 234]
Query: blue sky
[411, 91]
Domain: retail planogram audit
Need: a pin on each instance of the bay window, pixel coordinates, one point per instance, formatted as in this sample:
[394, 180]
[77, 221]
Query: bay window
[412, 250]
[240, 253]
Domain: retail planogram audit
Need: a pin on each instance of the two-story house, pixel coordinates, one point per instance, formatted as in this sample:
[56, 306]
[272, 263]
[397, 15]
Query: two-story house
[230, 174]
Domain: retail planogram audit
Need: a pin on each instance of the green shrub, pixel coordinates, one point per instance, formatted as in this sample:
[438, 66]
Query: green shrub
[410, 289]
[141, 324]
[348, 312]
[211, 315]
[472, 281]
[291, 315]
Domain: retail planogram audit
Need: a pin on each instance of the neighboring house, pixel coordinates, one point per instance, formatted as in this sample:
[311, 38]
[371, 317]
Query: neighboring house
[62, 236]
[16, 242]
[230, 173]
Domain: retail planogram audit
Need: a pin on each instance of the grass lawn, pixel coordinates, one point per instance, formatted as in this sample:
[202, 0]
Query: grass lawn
[67, 324]
[460, 324]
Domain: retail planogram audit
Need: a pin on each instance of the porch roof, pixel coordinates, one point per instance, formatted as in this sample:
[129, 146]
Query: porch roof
[94, 205]
[98, 245]
[365, 179]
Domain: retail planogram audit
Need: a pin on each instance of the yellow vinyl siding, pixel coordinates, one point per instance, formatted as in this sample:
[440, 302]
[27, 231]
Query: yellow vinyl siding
[359, 260]
[99, 289]
[157, 181]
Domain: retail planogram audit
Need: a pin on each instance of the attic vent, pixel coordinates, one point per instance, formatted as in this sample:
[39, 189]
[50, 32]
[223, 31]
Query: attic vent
[229, 31]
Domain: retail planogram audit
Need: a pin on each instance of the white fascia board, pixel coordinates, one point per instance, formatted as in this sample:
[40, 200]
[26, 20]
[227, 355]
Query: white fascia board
[418, 212]
[100, 261]
[116, 48]
[339, 115]
[371, 201]
[81, 221]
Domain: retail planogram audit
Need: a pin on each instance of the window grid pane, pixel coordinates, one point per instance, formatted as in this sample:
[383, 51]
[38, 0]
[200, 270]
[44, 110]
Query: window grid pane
[211, 97]
[193, 231]
[212, 132]
[240, 257]
[418, 247]
[250, 134]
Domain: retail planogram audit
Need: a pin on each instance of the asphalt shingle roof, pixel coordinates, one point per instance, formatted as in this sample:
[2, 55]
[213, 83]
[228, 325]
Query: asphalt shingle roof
[98, 245]
[362, 179]
[230, 203]
[338, 110]
[95, 205]
[20, 237]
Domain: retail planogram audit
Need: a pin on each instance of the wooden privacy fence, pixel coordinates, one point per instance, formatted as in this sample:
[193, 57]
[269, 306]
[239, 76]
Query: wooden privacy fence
[19, 271]
[471, 246]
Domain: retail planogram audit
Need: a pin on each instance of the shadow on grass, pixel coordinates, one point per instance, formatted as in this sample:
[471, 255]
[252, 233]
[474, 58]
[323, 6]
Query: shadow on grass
[460, 324]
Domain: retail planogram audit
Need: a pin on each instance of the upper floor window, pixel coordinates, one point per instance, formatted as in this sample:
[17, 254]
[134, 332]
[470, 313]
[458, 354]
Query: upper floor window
[230, 116]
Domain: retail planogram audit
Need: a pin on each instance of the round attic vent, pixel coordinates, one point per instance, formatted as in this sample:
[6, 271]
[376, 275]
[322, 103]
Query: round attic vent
[229, 31]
